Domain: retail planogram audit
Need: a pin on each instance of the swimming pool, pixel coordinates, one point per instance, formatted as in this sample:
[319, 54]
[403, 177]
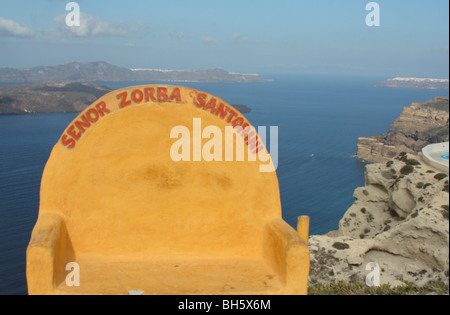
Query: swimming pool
[436, 155]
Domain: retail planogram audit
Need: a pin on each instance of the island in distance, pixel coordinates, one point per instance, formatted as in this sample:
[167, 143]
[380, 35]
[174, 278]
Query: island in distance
[417, 83]
[102, 71]
[68, 97]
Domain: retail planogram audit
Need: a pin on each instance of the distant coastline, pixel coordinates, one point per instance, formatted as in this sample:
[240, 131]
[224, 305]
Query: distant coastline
[102, 71]
[68, 97]
[417, 83]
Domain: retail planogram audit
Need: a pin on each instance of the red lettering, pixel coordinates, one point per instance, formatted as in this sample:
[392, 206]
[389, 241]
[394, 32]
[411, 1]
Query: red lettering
[82, 124]
[137, 96]
[238, 122]
[211, 105]
[260, 148]
[222, 111]
[201, 98]
[101, 108]
[162, 95]
[92, 112]
[175, 95]
[149, 94]
[245, 129]
[71, 131]
[249, 135]
[232, 115]
[123, 99]
[68, 142]
[253, 143]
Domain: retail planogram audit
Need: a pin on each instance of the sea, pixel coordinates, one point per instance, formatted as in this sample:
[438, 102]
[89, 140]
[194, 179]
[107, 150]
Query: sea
[319, 120]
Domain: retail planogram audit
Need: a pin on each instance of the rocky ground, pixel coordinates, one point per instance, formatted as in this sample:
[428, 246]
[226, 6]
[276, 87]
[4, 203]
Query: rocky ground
[400, 220]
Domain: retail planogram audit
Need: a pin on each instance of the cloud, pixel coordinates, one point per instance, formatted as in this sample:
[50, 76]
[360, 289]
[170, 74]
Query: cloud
[209, 39]
[143, 26]
[179, 35]
[89, 27]
[9, 28]
[239, 38]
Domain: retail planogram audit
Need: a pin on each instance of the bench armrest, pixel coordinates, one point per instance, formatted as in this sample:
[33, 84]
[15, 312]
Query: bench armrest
[44, 251]
[288, 254]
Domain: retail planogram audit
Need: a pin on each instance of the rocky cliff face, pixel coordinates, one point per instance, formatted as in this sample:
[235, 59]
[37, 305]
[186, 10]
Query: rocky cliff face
[418, 125]
[400, 220]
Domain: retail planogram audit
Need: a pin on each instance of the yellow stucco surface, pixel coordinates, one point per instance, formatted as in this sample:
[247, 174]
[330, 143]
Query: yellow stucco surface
[114, 201]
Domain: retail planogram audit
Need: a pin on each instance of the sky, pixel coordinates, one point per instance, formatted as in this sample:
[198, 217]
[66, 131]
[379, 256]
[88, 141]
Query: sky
[247, 36]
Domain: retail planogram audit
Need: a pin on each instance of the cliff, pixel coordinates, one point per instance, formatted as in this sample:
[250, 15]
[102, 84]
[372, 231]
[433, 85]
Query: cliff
[102, 71]
[399, 220]
[418, 126]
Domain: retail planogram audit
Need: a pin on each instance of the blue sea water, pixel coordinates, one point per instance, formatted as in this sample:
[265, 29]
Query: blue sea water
[319, 119]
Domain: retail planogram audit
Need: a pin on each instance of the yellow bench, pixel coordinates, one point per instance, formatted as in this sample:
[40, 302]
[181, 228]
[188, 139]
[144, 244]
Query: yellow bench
[114, 201]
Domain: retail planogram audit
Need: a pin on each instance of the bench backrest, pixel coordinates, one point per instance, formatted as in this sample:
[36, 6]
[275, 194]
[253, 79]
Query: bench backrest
[115, 179]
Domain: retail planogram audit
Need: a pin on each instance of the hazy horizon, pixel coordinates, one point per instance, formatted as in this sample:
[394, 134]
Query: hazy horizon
[265, 37]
